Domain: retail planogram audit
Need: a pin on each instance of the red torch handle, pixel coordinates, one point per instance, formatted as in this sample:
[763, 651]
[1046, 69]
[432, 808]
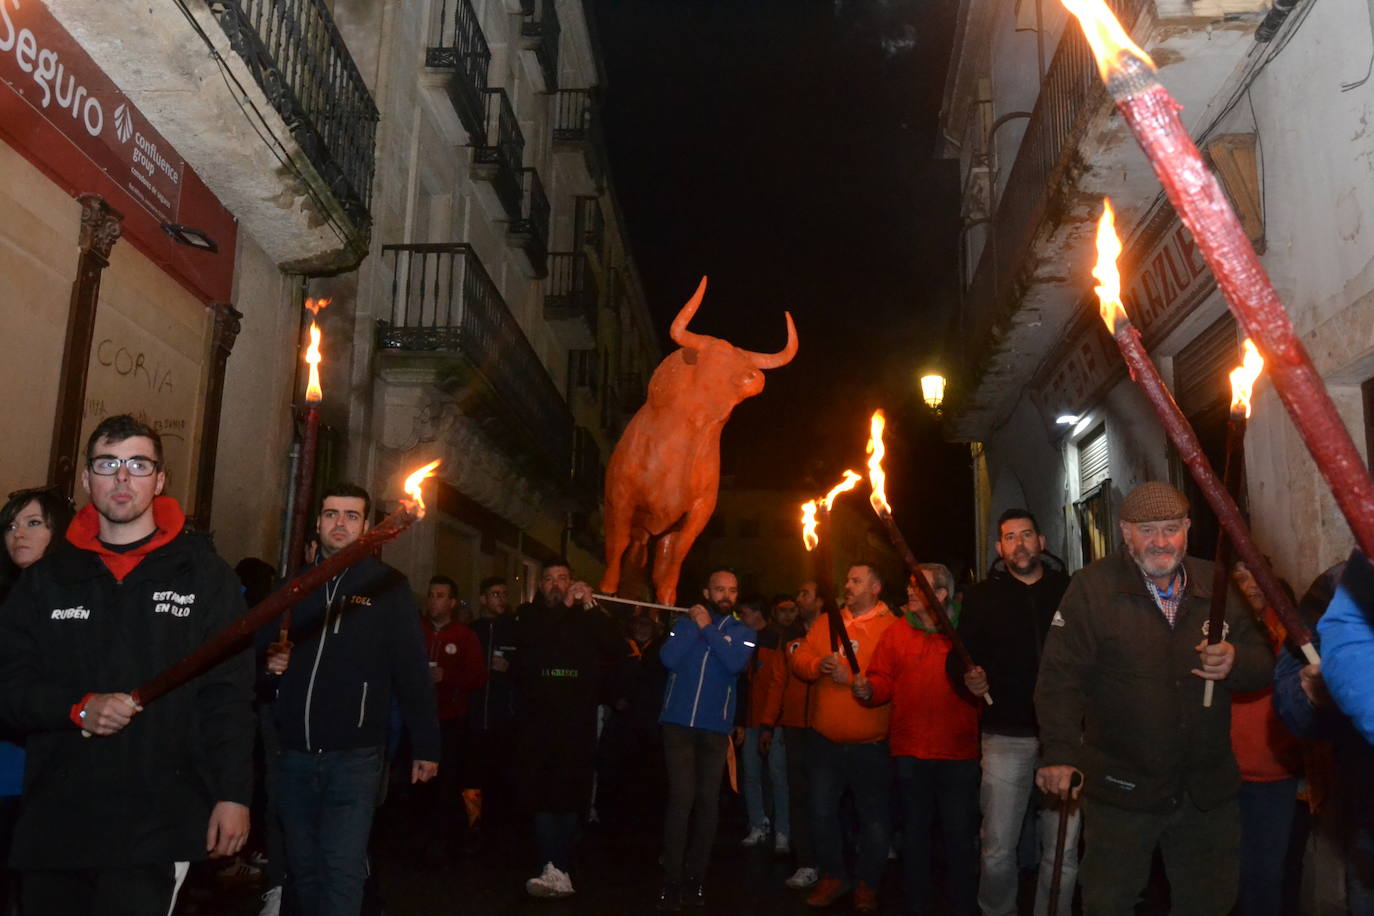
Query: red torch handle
[237, 635]
[1233, 473]
[932, 602]
[823, 570]
[1190, 453]
[305, 491]
[1202, 206]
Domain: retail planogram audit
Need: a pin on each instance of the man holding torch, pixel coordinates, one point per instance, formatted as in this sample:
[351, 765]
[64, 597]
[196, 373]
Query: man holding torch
[119, 799]
[1118, 699]
[848, 749]
[356, 640]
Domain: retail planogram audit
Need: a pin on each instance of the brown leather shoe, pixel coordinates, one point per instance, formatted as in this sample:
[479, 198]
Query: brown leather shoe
[865, 899]
[827, 891]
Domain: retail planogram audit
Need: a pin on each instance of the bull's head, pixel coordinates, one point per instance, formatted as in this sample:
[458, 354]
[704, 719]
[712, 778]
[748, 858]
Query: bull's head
[725, 374]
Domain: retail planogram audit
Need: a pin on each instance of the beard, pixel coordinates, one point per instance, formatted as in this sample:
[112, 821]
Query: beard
[1023, 562]
[555, 597]
[1158, 563]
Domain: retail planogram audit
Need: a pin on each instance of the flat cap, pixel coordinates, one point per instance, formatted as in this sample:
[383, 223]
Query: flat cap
[1153, 501]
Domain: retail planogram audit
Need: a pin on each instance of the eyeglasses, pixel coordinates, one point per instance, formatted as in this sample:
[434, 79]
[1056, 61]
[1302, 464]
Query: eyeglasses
[137, 466]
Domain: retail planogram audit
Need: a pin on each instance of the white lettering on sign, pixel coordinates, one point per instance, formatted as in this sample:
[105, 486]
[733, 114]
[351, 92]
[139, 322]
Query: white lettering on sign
[48, 72]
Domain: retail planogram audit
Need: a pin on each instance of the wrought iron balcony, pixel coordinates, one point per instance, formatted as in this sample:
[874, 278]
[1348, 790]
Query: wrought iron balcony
[531, 231]
[1070, 90]
[540, 33]
[500, 152]
[300, 62]
[589, 232]
[588, 471]
[460, 46]
[577, 126]
[443, 300]
[573, 297]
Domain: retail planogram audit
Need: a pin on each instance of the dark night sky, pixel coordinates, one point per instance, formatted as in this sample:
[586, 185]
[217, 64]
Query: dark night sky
[786, 149]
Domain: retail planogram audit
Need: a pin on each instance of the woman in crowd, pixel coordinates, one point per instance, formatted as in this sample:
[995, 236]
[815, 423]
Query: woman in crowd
[32, 521]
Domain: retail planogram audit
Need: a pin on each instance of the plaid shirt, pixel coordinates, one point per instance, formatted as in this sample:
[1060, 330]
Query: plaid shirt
[1168, 604]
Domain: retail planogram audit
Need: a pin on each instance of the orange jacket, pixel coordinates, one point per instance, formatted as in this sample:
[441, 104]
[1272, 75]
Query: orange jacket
[834, 712]
[789, 697]
[762, 673]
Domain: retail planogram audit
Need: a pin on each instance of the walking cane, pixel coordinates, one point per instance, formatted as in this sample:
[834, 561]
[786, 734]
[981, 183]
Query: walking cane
[1061, 839]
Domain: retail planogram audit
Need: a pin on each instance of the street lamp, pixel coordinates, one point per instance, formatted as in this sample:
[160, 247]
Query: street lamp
[933, 390]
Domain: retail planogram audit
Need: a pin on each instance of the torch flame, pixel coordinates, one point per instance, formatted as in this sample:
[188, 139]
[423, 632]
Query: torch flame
[1243, 377]
[844, 486]
[1107, 39]
[316, 305]
[412, 485]
[1108, 250]
[876, 477]
[809, 537]
[313, 392]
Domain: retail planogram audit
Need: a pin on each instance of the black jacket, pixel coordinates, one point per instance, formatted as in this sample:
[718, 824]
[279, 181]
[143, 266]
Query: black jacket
[1117, 701]
[492, 706]
[1004, 622]
[143, 795]
[347, 659]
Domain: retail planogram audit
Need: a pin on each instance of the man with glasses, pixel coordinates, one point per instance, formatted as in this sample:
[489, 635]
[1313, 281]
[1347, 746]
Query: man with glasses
[119, 799]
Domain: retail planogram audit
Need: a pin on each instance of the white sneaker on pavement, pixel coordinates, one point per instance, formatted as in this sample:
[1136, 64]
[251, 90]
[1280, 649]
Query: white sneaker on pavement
[551, 883]
[271, 902]
[755, 837]
[802, 878]
[782, 845]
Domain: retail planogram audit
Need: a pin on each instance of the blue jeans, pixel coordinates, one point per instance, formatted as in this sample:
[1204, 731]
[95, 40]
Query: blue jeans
[326, 808]
[1008, 784]
[951, 788]
[866, 771]
[753, 780]
[1266, 819]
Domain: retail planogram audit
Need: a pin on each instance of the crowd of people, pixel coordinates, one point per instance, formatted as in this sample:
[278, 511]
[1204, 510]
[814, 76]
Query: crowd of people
[857, 736]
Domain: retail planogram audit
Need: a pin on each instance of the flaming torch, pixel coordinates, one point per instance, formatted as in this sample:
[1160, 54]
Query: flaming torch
[816, 515]
[1233, 473]
[235, 637]
[305, 471]
[878, 499]
[1181, 434]
[1152, 115]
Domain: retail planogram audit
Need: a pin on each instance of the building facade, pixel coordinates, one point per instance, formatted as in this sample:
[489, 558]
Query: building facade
[180, 178]
[1276, 105]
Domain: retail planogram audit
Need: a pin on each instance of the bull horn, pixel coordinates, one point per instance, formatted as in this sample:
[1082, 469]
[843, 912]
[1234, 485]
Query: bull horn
[681, 336]
[783, 356]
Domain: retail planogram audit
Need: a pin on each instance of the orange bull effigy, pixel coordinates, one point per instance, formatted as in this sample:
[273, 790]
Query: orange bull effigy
[662, 477]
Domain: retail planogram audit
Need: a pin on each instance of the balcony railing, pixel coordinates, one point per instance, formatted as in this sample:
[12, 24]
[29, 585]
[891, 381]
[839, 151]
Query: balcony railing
[577, 124]
[500, 150]
[573, 291]
[300, 62]
[460, 46]
[442, 299]
[531, 230]
[1067, 94]
[540, 32]
[588, 473]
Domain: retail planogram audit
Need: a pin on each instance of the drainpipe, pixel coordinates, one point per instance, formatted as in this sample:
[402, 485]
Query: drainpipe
[288, 511]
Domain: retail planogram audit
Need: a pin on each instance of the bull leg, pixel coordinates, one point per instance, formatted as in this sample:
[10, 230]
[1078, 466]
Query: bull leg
[672, 548]
[618, 518]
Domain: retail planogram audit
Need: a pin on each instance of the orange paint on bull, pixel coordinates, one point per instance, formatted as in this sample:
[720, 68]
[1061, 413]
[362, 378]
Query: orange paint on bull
[662, 478]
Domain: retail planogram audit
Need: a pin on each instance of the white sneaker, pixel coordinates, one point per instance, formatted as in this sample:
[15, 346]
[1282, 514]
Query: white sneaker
[271, 902]
[756, 836]
[551, 883]
[781, 844]
[802, 878]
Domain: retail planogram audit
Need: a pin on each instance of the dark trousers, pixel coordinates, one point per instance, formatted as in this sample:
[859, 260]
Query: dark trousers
[489, 766]
[326, 806]
[273, 838]
[865, 771]
[1201, 851]
[554, 832]
[135, 891]
[696, 761]
[949, 787]
[441, 798]
[799, 793]
[1266, 822]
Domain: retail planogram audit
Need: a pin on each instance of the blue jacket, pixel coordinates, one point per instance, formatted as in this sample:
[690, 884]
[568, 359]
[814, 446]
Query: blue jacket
[703, 665]
[1347, 632]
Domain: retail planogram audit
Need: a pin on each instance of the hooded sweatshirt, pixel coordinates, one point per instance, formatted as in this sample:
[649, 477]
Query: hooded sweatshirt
[834, 711]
